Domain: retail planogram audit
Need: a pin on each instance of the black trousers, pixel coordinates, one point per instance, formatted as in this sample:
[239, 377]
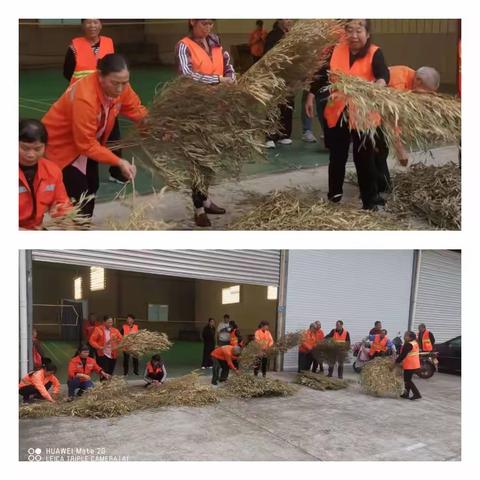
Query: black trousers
[207, 359]
[338, 140]
[305, 360]
[107, 364]
[199, 197]
[286, 120]
[220, 371]
[317, 365]
[409, 385]
[77, 183]
[384, 184]
[154, 376]
[126, 362]
[29, 390]
[339, 368]
[261, 364]
[115, 135]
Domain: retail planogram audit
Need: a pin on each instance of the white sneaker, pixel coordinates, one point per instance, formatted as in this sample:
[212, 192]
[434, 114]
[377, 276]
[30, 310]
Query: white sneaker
[203, 368]
[269, 144]
[285, 141]
[116, 180]
[309, 137]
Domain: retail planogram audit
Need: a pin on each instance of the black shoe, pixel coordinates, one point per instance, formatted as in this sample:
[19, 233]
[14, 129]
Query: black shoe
[214, 383]
[329, 376]
[336, 198]
[372, 207]
[415, 397]
[405, 395]
[340, 378]
[214, 209]
[136, 373]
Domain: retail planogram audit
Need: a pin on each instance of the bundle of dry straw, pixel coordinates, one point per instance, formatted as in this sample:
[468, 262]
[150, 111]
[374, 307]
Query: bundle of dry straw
[430, 192]
[285, 343]
[195, 131]
[143, 342]
[73, 219]
[330, 351]
[297, 210]
[319, 382]
[421, 119]
[381, 378]
[245, 385]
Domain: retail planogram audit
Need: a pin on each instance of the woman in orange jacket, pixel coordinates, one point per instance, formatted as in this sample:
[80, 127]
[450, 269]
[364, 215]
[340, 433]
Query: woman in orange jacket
[308, 342]
[80, 369]
[80, 121]
[37, 383]
[105, 340]
[40, 183]
[264, 338]
[201, 57]
[409, 358]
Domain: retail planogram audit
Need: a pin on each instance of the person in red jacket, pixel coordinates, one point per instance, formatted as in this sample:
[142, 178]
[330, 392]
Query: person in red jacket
[37, 383]
[40, 184]
[223, 360]
[80, 369]
[264, 338]
[87, 330]
[81, 120]
[256, 41]
[105, 340]
[129, 327]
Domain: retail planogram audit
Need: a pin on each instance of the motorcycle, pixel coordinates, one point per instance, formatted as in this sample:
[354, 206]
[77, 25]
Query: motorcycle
[428, 364]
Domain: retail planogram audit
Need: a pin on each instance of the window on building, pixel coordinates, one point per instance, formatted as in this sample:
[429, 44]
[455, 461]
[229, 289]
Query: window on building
[231, 295]
[97, 279]
[272, 293]
[157, 313]
[59, 21]
[77, 288]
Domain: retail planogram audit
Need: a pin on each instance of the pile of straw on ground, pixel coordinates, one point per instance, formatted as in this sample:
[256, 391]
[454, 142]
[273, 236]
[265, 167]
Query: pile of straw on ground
[297, 210]
[139, 219]
[143, 342]
[330, 352]
[195, 131]
[185, 391]
[430, 192]
[421, 119]
[250, 356]
[246, 385]
[379, 377]
[319, 382]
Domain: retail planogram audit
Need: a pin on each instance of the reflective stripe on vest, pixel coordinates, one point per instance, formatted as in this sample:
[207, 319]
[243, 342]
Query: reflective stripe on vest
[412, 360]
[340, 62]
[426, 343]
[85, 59]
[202, 62]
[340, 338]
[378, 345]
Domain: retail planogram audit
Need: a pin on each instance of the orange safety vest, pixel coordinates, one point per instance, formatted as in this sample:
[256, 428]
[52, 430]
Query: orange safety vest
[362, 68]
[151, 370]
[378, 345]
[202, 62]
[39, 379]
[340, 338]
[401, 77]
[319, 335]
[257, 42]
[76, 366]
[127, 329]
[412, 360]
[233, 338]
[264, 338]
[49, 195]
[426, 343]
[309, 341]
[85, 59]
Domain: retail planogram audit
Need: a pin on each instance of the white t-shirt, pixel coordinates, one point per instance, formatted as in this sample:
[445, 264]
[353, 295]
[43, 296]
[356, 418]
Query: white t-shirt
[107, 349]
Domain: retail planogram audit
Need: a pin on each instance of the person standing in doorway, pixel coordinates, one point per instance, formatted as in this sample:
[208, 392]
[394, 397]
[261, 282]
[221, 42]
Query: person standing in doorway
[105, 340]
[127, 329]
[223, 331]
[342, 337]
[264, 338]
[256, 41]
[409, 358]
[208, 336]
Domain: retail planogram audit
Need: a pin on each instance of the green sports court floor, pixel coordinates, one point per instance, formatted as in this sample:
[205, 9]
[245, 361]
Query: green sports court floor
[40, 87]
[181, 359]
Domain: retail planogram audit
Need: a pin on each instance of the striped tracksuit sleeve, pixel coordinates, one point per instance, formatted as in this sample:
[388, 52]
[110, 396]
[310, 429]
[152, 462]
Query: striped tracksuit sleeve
[185, 66]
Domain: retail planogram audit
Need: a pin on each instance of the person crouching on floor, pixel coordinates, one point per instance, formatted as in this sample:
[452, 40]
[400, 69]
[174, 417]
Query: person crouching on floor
[223, 360]
[80, 371]
[155, 371]
[37, 383]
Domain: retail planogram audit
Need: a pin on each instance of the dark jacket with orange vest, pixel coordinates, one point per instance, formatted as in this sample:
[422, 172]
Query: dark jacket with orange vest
[48, 195]
[342, 337]
[39, 379]
[97, 340]
[153, 372]
[86, 56]
[409, 356]
[378, 345]
[427, 341]
[195, 62]
[77, 365]
[401, 77]
[225, 354]
[74, 120]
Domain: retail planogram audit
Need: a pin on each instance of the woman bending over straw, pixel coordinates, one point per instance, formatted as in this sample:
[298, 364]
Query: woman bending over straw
[201, 57]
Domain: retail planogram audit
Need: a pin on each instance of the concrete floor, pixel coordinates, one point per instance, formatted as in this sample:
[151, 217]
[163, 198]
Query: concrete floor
[236, 196]
[309, 426]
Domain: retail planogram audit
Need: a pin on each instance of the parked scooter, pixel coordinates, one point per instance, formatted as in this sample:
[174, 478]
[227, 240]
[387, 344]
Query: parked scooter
[428, 364]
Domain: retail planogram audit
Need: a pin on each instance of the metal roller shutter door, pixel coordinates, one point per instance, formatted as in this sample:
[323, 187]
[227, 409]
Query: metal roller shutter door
[356, 286]
[260, 267]
[438, 296]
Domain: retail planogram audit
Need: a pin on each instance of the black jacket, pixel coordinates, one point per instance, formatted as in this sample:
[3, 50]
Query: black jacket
[273, 37]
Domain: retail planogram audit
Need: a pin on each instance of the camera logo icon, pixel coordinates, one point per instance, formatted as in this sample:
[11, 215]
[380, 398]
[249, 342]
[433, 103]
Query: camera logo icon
[34, 454]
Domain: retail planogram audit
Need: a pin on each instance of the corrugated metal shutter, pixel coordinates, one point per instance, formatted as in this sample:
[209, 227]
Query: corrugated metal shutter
[356, 286]
[438, 296]
[261, 267]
